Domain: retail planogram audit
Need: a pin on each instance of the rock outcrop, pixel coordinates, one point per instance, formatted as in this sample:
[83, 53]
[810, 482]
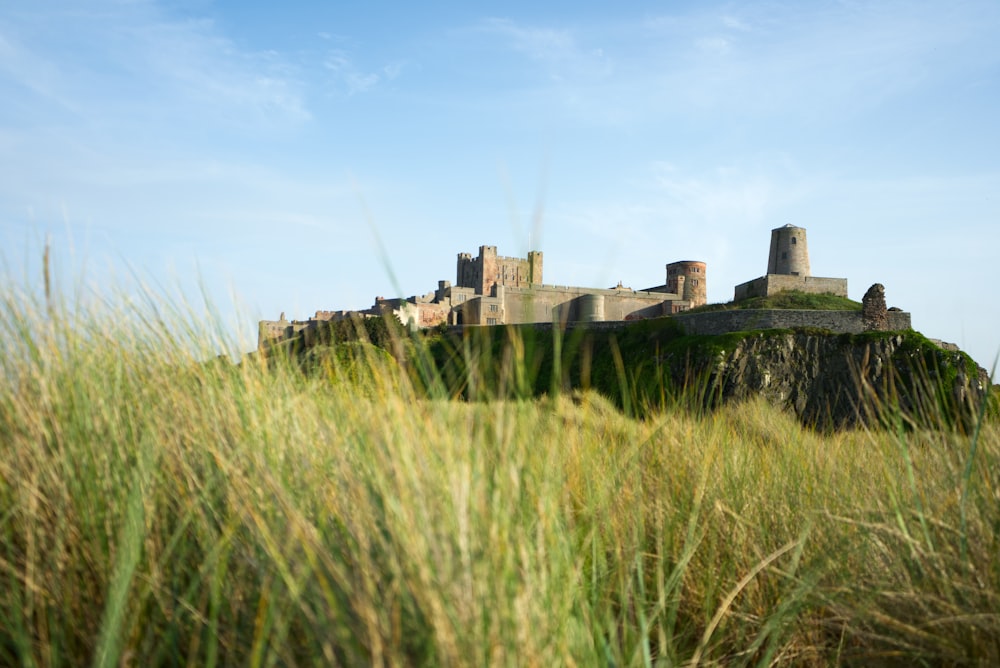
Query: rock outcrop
[834, 381]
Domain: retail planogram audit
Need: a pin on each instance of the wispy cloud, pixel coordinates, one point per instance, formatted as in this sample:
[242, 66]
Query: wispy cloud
[126, 58]
[559, 51]
[725, 195]
[717, 214]
[735, 23]
[190, 60]
[545, 44]
[714, 45]
[833, 59]
[815, 63]
[118, 105]
[348, 76]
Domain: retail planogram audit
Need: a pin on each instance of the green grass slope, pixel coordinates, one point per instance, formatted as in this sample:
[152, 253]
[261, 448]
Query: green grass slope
[648, 365]
[788, 299]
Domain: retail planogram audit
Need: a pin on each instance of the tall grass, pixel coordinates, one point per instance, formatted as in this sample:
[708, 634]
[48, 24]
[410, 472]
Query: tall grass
[157, 508]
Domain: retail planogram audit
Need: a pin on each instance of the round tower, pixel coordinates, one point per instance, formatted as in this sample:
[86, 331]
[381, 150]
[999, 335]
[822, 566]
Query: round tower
[694, 284]
[789, 252]
[592, 308]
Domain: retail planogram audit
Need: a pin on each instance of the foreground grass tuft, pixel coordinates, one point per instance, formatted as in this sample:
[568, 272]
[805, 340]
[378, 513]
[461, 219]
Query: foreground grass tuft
[156, 509]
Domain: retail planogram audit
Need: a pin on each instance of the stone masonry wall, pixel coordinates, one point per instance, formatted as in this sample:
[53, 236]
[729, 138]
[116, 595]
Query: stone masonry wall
[774, 283]
[545, 303]
[722, 322]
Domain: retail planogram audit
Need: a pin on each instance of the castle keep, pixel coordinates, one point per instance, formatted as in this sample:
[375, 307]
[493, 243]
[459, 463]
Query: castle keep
[483, 272]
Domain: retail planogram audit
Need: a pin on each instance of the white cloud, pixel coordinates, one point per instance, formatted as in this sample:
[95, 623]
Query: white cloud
[192, 61]
[24, 68]
[538, 43]
[557, 50]
[725, 195]
[808, 61]
[393, 70]
[735, 23]
[814, 64]
[353, 79]
[719, 46]
[130, 59]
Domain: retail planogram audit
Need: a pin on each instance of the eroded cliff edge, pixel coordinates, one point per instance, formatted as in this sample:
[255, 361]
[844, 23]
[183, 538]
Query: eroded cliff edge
[836, 380]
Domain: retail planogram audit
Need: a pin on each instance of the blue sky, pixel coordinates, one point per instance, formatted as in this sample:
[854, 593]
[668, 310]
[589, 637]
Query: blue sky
[264, 148]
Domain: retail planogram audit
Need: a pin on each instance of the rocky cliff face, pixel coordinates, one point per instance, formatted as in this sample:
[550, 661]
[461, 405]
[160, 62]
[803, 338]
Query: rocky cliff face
[834, 381]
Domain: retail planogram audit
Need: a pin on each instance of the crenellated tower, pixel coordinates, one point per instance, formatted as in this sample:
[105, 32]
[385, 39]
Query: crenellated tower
[487, 270]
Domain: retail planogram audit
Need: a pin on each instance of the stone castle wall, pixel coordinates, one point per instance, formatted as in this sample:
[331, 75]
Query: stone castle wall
[553, 303]
[741, 320]
[774, 283]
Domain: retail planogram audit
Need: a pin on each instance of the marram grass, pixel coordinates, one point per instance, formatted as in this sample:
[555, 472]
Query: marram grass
[158, 509]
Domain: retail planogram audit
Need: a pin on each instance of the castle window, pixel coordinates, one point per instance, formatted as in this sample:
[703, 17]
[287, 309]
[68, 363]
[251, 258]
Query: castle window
[784, 256]
[694, 282]
[493, 307]
[491, 321]
[793, 241]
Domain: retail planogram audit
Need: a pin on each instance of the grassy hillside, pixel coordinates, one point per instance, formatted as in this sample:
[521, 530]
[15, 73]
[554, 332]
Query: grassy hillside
[649, 365]
[788, 299]
[156, 509]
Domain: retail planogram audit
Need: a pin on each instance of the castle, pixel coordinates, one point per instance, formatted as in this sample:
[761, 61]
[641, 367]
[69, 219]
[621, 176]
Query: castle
[491, 289]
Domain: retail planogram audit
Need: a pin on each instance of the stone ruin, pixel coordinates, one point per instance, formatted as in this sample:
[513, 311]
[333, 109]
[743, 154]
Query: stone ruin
[874, 314]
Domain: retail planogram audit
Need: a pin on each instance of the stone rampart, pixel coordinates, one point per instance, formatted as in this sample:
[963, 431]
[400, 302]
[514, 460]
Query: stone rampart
[724, 322]
[740, 320]
[775, 283]
[547, 303]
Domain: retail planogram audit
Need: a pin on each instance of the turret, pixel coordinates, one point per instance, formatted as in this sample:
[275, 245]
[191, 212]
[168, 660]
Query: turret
[534, 267]
[687, 279]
